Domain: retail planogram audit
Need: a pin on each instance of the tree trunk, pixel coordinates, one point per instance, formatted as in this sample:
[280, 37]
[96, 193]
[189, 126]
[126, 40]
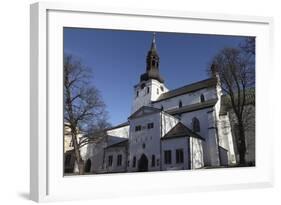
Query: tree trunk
[241, 143]
[78, 157]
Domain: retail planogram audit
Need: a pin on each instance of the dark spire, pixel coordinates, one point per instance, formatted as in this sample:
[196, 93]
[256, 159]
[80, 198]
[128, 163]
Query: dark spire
[152, 63]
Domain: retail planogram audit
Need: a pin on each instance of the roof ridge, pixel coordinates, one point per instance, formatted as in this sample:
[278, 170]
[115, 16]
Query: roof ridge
[184, 89]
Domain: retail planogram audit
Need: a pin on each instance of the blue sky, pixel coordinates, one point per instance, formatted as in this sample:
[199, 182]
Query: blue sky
[117, 59]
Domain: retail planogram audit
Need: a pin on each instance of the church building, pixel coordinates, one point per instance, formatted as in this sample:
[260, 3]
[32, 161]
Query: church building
[177, 129]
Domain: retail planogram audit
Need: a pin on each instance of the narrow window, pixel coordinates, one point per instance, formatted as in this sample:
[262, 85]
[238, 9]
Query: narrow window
[142, 86]
[202, 98]
[119, 160]
[162, 108]
[110, 159]
[147, 89]
[162, 88]
[157, 91]
[195, 125]
[153, 160]
[150, 125]
[179, 156]
[168, 156]
[158, 162]
[143, 145]
[180, 104]
[137, 93]
[134, 162]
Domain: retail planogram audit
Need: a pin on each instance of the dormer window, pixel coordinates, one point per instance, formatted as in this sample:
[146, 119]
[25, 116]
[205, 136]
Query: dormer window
[180, 104]
[202, 98]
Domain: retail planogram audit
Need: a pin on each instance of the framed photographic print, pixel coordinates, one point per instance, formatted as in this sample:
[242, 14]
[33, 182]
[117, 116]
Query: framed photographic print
[128, 102]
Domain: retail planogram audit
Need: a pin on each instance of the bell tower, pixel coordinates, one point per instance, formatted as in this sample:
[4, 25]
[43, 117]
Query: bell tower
[151, 84]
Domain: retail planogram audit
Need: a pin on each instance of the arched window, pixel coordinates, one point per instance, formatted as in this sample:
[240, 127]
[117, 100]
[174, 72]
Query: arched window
[153, 160]
[180, 104]
[195, 125]
[202, 98]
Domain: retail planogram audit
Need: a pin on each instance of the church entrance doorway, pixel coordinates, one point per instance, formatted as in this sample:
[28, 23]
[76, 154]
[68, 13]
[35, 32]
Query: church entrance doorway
[143, 164]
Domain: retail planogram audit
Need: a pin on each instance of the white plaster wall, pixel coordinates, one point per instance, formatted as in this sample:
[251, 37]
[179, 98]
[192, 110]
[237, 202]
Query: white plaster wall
[202, 116]
[212, 141]
[96, 155]
[197, 153]
[174, 144]
[115, 151]
[186, 99]
[167, 123]
[120, 132]
[149, 137]
[225, 138]
[144, 98]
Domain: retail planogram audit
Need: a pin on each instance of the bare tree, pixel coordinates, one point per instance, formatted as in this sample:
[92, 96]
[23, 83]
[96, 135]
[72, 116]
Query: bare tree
[83, 106]
[249, 45]
[236, 74]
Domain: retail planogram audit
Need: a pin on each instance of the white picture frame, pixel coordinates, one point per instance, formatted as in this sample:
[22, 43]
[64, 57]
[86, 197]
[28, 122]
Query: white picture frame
[46, 151]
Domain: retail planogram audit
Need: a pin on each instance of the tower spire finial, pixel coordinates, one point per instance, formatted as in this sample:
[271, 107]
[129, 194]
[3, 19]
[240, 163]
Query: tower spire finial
[153, 44]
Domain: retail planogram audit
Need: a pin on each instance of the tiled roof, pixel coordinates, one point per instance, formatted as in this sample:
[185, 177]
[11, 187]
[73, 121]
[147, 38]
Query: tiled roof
[193, 107]
[120, 143]
[144, 110]
[180, 130]
[210, 82]
[118, 126]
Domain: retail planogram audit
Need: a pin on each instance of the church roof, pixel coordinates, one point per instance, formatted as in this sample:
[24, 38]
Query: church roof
[193, 107]
[121, 143]
[180, 130]
[210, 82]
[118, 126]
[144, 110]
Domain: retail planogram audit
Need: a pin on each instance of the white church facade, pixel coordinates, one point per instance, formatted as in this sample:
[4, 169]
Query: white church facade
[176, 129]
